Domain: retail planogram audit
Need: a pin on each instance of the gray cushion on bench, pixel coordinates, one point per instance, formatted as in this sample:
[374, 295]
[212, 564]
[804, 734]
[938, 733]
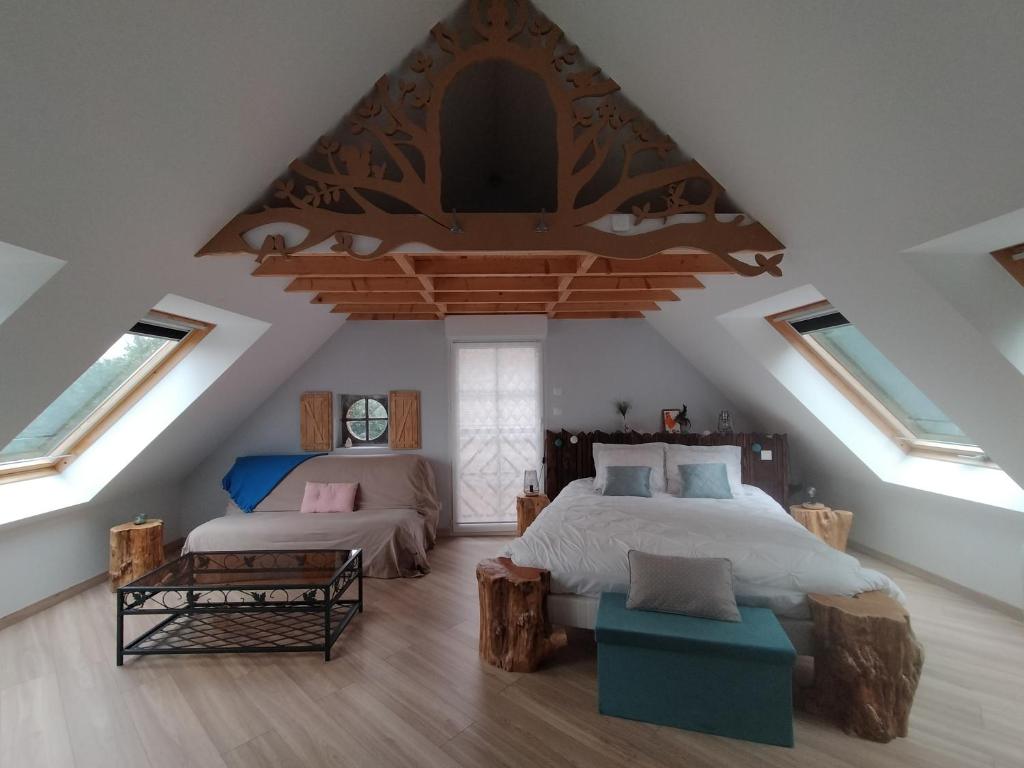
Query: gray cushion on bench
[692, 586]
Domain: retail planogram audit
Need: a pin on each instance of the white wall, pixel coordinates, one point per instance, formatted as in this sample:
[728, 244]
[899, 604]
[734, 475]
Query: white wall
[983, 292]
[596, 362]
[592, 362]
[45, 557]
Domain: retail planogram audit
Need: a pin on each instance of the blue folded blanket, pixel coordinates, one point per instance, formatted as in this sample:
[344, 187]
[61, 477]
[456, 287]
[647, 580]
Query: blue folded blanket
[252, 478]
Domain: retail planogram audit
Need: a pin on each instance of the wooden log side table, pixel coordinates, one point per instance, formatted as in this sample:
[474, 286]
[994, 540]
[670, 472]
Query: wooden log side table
[830, 525]
[515, 634]
[527, 509]
[867, 664]
[135, 550]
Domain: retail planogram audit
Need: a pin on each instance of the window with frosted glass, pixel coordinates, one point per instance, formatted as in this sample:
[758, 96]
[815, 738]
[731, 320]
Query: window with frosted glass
[497, 411]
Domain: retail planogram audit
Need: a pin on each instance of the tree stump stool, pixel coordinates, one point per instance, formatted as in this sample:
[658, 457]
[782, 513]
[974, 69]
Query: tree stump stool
[830, 525]
[135, 550]
[867, 663]
[515, 633]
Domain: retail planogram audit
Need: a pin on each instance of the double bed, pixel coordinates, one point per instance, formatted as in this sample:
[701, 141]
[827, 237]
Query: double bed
[583, 538]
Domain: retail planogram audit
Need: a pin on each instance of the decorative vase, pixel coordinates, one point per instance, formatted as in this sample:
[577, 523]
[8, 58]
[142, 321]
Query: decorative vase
[724, 422]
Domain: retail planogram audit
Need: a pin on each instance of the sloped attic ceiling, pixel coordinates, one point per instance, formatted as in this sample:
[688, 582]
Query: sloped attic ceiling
[496, 171]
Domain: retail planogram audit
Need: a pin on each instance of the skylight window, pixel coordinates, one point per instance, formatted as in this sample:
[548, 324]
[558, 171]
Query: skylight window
[133, 364]
[871, 382]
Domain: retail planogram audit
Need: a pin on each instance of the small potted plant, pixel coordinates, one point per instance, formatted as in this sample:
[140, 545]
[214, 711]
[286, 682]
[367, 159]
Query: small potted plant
[623, 406]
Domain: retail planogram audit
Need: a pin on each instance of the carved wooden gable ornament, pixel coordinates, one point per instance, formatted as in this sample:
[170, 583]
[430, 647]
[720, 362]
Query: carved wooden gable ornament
[496, 138]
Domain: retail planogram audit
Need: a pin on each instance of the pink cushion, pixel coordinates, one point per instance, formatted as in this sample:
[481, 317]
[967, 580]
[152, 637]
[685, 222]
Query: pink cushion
[329, 497]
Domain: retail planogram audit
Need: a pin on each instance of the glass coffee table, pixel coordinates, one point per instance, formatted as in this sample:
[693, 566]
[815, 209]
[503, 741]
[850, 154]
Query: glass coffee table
[244, 602]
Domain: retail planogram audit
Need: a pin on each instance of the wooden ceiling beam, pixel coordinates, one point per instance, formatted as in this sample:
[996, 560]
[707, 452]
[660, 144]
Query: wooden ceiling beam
[598, 315]
[499, 297]
[369, 297]
[533, 308]
[653, 282]
[582, 265]
[335, 265]
[606, 306]
[664, 295]
[426, 283]
[463, 267]
[473, 266]
[507, 283]
[1012, 261]
[663, 263]
[354, 284]
[391, 316]
[398, 309]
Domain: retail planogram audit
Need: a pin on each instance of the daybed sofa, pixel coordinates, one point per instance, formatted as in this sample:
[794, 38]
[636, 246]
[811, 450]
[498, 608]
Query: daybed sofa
[394, 521]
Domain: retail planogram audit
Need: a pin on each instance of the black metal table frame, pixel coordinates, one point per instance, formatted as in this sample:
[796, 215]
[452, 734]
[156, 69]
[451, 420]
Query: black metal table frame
[259, 598]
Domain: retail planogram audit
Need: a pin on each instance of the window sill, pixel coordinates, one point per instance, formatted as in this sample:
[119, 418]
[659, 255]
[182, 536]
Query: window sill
[19, 471]
[30, 499]
[982, 484]
[952, 457]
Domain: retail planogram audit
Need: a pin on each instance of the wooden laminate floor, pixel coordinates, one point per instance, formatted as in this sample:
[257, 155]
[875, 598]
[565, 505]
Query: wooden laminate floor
[406, 689]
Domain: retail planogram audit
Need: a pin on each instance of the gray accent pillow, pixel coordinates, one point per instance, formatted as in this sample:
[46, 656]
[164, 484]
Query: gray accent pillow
[692, 586]
[627, 481]
[704, 481]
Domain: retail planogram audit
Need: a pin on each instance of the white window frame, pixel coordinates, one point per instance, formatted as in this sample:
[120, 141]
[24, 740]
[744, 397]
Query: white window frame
[502, 529]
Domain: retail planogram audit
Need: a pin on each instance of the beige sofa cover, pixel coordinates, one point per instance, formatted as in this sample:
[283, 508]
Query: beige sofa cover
[394, 523]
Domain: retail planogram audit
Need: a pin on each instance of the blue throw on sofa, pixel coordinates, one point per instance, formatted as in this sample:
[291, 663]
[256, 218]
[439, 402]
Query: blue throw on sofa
[252, 478]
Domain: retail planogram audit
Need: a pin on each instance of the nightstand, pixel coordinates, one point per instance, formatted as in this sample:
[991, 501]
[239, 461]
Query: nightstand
[527, 509]
[830, 525]
[135, 550]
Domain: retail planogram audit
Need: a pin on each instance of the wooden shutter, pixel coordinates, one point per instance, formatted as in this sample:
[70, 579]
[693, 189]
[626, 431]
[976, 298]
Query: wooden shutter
[404, 413]
[317, 421]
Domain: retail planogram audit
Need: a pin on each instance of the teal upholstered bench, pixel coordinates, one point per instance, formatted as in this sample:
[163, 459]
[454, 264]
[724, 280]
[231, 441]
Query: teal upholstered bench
[727, 678]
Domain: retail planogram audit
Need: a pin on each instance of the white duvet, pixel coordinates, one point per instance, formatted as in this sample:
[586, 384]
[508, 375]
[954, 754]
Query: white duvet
[583, 539]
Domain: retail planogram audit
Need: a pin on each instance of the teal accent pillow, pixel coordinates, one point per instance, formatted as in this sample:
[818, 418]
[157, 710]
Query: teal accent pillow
[704, 481]
[628, 481]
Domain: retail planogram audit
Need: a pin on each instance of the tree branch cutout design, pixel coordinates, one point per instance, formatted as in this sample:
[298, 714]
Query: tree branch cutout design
[373, 187]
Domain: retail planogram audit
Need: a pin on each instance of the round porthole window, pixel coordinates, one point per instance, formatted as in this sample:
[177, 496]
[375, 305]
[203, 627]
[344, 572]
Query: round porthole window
[366, 419]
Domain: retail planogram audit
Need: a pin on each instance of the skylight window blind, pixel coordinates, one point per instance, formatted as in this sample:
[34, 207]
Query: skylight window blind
[497, 414]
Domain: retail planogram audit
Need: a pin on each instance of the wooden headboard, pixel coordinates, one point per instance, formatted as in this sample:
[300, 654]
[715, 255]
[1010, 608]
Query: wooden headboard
[565, 460]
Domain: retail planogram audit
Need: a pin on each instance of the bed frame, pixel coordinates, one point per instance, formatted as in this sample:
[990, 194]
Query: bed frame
[566, 460]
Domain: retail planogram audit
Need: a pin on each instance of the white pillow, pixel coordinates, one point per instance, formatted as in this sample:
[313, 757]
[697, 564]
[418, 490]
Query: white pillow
[642, 455]
[730, 455]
